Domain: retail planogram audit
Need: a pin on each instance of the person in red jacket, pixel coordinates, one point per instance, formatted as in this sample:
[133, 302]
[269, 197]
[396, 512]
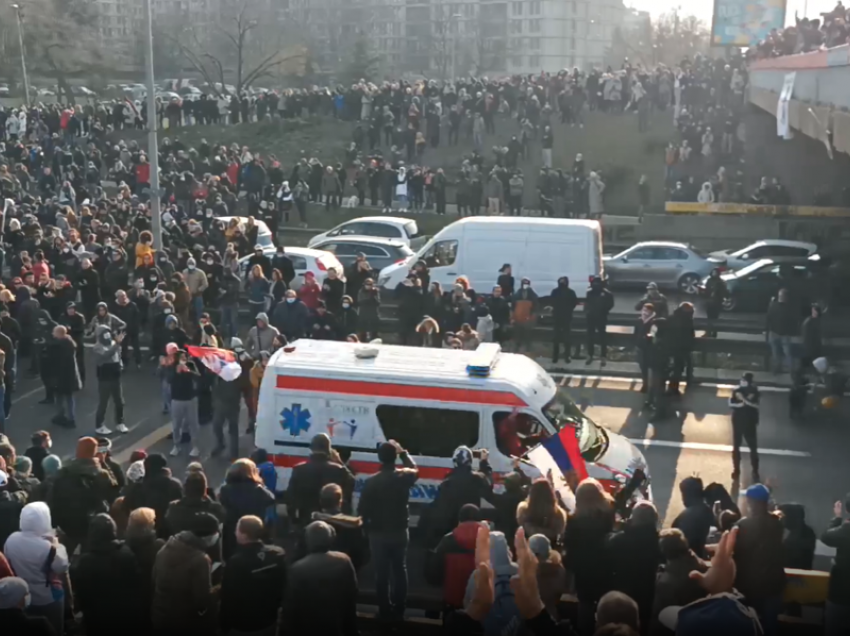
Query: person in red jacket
[143, 174]
[450, 564]
[310, 292]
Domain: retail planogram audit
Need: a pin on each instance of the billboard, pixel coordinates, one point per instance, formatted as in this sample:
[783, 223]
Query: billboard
[745, 22]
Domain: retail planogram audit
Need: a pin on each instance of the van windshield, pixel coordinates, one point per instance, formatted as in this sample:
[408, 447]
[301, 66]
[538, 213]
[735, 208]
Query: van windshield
[561, 411]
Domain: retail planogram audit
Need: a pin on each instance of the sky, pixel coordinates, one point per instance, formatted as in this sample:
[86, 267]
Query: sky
[704, 8]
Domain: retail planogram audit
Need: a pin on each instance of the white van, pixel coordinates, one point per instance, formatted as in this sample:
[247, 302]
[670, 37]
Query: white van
[429, 400]
[538, 248]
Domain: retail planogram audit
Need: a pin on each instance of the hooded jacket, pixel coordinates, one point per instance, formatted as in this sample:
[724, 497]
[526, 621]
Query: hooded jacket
[260, 339]
[252, 588]
[183, 601]
[28, 551]
[451, 563]
[503, 618]
[156, 490]
[81, 488]
[350, 538]
[107, 354]
[800, 539]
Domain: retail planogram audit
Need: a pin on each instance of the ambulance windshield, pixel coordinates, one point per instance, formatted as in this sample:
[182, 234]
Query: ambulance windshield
[562, 411]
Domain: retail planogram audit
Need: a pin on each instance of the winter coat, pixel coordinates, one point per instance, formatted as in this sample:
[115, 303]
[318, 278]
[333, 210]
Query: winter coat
[66, 373]
[183, 601]
[10, 514]
[291, 319]
[156, 491]
[349, 539]
[759, 556]
[595, 190]
[260, 340]
[800, 540]
[325, 580]
[144, 546]
[252, 588]
[179, 516]
[587, 554]
[673, 586]
[553, 530]
[240, 498]
[81, 488]
[28, 550]
[106, 588]
[695, 522]
[635, 556]
[307, 480]
[451, 563]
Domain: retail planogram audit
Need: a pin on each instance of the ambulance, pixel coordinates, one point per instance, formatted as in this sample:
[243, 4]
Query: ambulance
[430, 401]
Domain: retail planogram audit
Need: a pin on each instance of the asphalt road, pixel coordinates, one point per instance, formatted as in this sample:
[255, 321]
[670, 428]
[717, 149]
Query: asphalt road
[804, 462]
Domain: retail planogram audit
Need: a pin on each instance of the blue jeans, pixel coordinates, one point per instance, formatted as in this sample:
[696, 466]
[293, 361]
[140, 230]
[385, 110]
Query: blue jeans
[230, 321]
[65, 406]
[780, 351]
[389, 554]
[198, 306]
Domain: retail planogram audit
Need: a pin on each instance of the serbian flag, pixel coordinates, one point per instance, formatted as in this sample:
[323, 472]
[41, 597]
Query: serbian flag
[565, 451]
[220, 361]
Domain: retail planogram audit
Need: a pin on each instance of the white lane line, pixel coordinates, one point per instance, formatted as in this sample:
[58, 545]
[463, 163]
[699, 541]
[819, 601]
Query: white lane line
[587, 380]
[29, 393]
[718, 448]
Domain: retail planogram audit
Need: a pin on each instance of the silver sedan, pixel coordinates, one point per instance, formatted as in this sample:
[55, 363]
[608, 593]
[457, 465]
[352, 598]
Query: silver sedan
[670, 265]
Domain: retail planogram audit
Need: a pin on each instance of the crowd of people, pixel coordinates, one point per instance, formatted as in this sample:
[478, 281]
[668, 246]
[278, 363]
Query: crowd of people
[806, 35]
[87, 545]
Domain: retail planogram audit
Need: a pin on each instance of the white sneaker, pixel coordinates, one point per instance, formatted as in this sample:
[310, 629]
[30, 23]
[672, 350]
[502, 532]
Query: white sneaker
[175, 451]
[195, 452]
[122, 428]
[103, 430]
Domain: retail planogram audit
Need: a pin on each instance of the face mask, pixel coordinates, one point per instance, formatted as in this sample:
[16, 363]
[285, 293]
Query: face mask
[66, 249]
[345, 305]
[190, 267]
[743, 383]
[525, 286]
[167, 312]
[290, 300]
[209, 262]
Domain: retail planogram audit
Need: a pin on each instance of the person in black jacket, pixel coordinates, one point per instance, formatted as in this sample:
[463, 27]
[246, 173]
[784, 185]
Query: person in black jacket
[7, 347]
[411, 301]
[597, 305]
[14, 592]
[65, 376]
[837, 536]
[254, 582]
[156, 491]
[500, 312]
[43, 344]
[106, 582]
[88, 282]
[349, 537]
[800, 540]
[333, 289]
[386, 514]
[696, 519]
[463, 485]
[127, 311]
[323, 466]
[323, 324]
[75, 322]
[681, 339]
[563, 301]
[282, 263]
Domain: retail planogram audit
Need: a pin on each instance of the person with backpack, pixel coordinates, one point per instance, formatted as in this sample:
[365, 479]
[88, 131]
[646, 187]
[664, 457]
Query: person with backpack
[450, 564]
[83, 487]
[504, 618]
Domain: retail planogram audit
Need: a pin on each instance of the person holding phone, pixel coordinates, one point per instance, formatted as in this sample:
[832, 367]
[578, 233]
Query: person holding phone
[183, 377]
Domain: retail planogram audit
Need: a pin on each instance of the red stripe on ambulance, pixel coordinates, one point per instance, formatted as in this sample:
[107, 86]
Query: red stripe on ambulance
[400, 391]
[359, 467]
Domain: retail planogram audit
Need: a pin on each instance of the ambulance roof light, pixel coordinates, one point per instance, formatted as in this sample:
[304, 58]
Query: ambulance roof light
[485, 358]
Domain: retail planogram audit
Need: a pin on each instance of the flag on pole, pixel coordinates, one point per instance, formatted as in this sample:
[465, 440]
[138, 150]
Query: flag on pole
[565, 451]
[220, 361]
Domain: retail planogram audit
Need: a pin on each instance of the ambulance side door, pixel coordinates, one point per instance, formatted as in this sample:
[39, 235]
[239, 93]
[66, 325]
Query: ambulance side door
[497, 426]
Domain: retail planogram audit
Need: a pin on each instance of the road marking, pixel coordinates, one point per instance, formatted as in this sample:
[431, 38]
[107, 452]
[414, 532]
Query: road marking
[623, 383]
[27, 394]
[151, 439]
[718, 448]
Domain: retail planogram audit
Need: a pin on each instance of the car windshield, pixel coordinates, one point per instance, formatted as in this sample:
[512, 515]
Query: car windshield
[752, 268]
[411, 229]
[561, 411]
[404, 251]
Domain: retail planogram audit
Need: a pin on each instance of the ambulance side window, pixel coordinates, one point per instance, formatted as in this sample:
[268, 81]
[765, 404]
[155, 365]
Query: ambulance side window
[429, 432]
[516, 432]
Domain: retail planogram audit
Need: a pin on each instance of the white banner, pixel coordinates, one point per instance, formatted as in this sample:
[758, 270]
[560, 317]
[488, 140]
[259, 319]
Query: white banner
[783, 123]
[542, 461]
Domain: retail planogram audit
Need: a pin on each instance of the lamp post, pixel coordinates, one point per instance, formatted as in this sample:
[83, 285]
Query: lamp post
[17, 9]
[153, 150]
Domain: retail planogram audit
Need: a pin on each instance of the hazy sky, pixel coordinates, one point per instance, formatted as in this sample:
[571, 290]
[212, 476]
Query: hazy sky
[703, 8]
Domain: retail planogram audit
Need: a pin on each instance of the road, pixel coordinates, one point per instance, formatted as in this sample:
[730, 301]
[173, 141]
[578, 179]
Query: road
[805, 462]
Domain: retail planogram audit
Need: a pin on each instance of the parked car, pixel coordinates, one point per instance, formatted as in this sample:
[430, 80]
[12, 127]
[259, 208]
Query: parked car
[671, 265]
[771, 248]
[82, 90]
[809, 280]
[380, 252]
[303, 260]
[4, 90]
[394, 227]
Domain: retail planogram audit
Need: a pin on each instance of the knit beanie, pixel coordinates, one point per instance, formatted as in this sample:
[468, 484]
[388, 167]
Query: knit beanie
[86, 448]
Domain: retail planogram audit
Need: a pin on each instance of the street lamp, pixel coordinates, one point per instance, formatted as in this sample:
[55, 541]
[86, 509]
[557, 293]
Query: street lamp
[17, 9]
[153, 150]
[456, 16]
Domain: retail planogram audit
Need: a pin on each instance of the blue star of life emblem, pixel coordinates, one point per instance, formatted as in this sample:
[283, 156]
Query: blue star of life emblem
[295, 420]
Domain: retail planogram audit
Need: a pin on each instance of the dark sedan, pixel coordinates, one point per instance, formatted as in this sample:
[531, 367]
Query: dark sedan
[380, 252]
[811, 280]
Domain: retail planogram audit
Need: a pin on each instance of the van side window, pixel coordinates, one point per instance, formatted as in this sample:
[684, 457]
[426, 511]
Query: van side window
[441, 254]
[517, 433]
[426, 431]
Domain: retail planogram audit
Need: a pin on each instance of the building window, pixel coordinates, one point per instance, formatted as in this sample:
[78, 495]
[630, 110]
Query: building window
[516, 8]
[534, 62]
[534, 26]
[534, 44]
[534, 8]
[516, 61]
[430, 432]
[516, 26]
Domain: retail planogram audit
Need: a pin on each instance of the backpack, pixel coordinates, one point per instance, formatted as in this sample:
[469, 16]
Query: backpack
[503, 619]
[74, 501]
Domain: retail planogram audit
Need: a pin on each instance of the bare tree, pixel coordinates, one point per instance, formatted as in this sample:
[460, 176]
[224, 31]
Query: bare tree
[244, 43]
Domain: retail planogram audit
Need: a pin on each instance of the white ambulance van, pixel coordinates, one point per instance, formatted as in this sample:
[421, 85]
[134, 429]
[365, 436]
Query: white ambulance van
[429, 400]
